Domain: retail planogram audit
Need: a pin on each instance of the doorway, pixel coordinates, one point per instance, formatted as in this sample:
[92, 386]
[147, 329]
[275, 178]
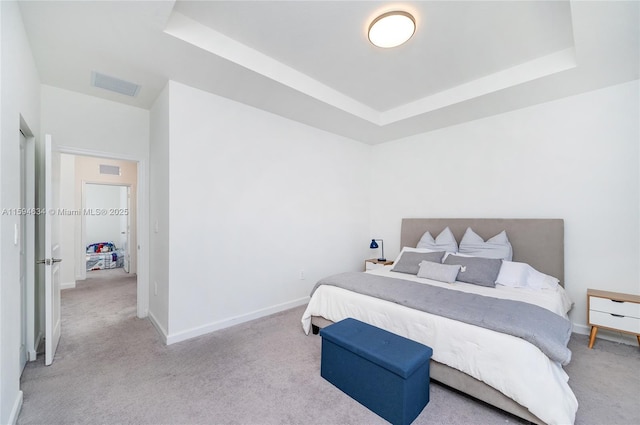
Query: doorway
[139, 264]
[98, 205]
[101, 198]
[69, 210]
[107, 226]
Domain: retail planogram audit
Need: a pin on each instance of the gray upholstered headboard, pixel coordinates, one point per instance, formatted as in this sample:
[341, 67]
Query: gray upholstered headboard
[538, 242]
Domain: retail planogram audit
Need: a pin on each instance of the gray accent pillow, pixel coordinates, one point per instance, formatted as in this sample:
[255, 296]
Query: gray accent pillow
[440, 272]
[409, 262]
[476, 270]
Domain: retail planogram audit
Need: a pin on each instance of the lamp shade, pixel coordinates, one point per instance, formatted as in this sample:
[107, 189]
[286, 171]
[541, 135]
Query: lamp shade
[374, 244]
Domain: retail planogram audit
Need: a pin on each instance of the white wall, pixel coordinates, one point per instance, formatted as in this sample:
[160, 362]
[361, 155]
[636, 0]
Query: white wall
[159, 249]
[88, 123]
[19, 97]
[255, 200]
[576, 158]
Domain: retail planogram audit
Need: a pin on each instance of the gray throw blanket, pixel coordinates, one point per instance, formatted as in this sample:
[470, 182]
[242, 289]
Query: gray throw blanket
[541, 327]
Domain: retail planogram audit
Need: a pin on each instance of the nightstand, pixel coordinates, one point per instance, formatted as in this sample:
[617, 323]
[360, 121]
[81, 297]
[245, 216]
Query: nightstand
[374, 263]
[614, 311]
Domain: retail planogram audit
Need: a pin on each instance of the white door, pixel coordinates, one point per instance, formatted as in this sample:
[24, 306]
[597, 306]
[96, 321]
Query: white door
[22, 240]
[52, 258]
[125, 223]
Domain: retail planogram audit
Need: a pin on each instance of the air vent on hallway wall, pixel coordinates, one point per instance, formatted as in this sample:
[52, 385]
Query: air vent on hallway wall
[113, 170]
[114, 84]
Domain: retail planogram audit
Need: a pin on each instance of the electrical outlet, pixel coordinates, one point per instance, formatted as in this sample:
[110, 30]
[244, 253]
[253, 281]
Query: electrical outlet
[301, 274]
[155, 287]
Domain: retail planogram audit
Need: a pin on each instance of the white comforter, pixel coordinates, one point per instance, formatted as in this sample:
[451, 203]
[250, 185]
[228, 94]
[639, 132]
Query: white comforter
[509, 364]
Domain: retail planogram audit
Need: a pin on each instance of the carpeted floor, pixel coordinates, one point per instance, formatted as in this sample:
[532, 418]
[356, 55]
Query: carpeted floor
[111, 368]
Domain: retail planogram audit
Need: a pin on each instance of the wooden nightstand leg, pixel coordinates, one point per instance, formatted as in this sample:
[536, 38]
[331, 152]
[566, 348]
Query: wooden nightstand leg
[592, 336]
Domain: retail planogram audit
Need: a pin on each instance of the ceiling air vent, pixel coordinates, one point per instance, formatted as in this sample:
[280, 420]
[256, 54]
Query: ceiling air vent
[114, 84]
[113, 170]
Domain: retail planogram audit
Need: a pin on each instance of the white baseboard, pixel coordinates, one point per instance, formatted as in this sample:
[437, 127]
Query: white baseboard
[618, 337]
[34, 352]
[32, 355]
[15, 410]
[156, 324]
[225, 323]
[68, 285]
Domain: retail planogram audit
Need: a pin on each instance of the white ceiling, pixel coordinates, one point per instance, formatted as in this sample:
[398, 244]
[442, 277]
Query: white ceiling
[311, 61]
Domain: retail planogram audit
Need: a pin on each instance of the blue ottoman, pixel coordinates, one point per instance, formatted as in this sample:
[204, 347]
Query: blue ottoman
[384, 372]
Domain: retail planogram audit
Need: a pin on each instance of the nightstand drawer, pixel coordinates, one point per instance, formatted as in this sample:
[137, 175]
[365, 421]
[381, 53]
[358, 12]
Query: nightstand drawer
[607, 320]
[606, 305]
[613, 310]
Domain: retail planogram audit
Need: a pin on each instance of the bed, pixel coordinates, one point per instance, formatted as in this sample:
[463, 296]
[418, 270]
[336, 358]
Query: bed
[503, 370]
[103, 255]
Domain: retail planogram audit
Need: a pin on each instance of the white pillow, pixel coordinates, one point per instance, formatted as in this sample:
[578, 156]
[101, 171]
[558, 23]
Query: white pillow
[496, 247]
[446, 254]
[522, 275]
[445, 241]
[513, 274]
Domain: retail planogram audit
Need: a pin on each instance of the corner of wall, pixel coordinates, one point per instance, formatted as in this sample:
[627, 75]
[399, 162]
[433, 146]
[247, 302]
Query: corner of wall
[17, 406]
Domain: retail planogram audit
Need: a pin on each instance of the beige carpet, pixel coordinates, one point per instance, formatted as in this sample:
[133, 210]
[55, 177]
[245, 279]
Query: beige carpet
[111, 368]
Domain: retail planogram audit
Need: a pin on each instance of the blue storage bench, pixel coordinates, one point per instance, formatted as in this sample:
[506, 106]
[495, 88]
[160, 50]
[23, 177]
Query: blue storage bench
[387, 373]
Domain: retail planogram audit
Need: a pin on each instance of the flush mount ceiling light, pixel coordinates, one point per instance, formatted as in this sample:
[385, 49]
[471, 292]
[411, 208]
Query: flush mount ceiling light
[392, 29]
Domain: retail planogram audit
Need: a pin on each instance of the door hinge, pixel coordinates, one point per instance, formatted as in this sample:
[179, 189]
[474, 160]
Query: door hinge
[49, 261]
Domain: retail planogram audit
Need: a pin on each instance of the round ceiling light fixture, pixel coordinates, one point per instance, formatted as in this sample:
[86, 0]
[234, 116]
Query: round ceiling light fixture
[392, 29]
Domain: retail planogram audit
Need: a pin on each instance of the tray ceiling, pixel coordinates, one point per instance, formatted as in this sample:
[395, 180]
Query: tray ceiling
[310, 61]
